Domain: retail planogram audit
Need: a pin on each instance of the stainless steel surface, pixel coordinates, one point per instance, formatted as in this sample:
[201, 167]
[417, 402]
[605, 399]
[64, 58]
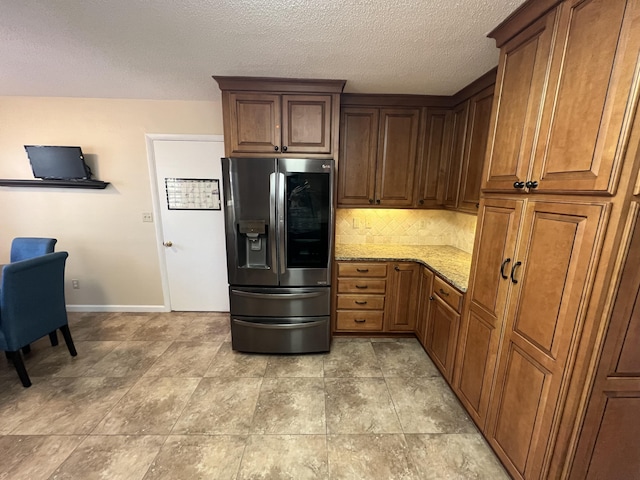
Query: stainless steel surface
[168, 244]
[282, 247]
[280, 302]
[273, 218]
[290, 335]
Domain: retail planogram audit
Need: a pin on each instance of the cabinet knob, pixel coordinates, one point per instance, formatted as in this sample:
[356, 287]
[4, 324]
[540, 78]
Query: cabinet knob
[276, 148]
[442, 292]
[421, 201]
[359, 320]
[397, 268]
[431, 297]
[531, 184]
[371, 200]
[284, 148]
[378, 201]
[518, 184]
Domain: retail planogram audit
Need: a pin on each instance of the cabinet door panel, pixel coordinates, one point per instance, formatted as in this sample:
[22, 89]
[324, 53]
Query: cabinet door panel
[402, 301]
[397, 150]
[522, 73]
[430, 191]
[442, 336]
[557, 251]
[579, 147]
[358, 148]
[482, 324]
[476, 149]
[459, 119]
[426, 287]
[255, 122]
[306, 123]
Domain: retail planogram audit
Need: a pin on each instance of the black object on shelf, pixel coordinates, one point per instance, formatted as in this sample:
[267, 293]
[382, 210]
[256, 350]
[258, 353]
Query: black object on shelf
[95, 184]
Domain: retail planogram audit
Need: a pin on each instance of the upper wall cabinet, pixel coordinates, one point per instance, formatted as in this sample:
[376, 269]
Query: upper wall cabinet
[433, 157]
[563, 113]
[266, 116]
[378, 148]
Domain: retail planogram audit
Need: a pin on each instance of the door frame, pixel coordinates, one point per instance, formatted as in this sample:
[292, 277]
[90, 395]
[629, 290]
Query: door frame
[150, 138]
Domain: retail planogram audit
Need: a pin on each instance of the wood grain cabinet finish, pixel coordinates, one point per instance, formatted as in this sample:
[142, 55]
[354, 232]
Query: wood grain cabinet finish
[424, 305]
[482, 323]
[550, 283]
[434, 158]
[378, 149]
[361, 296]
[459, 118]
[402, 300]
[563, 115]
[442, 335]
[609, 446]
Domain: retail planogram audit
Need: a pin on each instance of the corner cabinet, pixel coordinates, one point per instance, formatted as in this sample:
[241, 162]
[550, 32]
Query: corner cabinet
[280, 117]
[563, 114]
[378, 150]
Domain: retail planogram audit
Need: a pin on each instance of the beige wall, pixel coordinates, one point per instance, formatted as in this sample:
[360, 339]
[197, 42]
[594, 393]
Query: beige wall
[111, 251]
[405, 227]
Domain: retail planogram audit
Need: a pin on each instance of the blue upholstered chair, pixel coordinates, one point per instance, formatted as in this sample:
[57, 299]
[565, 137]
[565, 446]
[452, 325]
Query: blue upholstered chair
[29, 247]
[32, 305]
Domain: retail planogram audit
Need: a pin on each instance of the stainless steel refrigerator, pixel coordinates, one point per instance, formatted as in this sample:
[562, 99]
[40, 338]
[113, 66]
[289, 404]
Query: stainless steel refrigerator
[279, 217]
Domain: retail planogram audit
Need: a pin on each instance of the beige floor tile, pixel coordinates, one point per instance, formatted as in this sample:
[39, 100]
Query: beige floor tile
[130, 358]
[221, 405]
[151, 407]
[351, 358]
[455, 457]
[208, 328]
[113, 326]
[184, 359]
[359, 405]
[228, 363]
[427, 405]
[404, 358]
[198, 456]
[162, 328]
[63, 406]
[58, 362]
[285, 457]
[295, 366]
[112, 457]
[371, 457]
[290, 406]
[34, 457]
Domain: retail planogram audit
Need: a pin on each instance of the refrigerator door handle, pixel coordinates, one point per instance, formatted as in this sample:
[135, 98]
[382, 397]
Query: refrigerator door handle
[273, 220]
[281, 224]
[277, 296]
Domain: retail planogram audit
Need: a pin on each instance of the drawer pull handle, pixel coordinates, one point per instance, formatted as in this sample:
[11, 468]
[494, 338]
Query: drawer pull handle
[362, 286]
[442, 292]
[360, 302]
[359, 320]
[362, 270]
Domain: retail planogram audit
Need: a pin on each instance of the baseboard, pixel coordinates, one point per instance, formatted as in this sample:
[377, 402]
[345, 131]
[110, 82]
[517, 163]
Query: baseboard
[117, 308]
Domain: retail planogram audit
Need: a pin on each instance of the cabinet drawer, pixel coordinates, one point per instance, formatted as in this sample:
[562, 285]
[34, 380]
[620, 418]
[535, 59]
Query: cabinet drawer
[446, 292]
[359, 320]
[362, 269]
[361, 302]
[361, 285]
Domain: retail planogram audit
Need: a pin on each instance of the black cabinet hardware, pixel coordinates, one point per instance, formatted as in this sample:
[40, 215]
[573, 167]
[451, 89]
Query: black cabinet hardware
[442, 292]
[276, 148]
[362, 270]
[513, 271]
[362, 286]
[360, 302]
[360, 320]
[531, 184]
[518, 184]
[504, 264]
[397, 268]
[284, 149]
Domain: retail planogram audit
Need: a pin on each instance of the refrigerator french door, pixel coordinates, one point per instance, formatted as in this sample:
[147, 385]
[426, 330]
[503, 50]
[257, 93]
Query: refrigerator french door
[279, 217]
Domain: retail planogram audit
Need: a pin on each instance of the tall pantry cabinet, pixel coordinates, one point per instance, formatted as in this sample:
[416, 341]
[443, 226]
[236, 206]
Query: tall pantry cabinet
[556, 183]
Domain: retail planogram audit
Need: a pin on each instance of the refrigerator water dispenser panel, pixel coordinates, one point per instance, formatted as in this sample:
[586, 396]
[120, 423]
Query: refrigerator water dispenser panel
[253, 234]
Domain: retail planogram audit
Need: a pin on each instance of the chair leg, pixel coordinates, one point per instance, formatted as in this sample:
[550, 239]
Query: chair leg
[26, 349]
[53, 337]
[16, 358]
[8, 355]
[68, 340]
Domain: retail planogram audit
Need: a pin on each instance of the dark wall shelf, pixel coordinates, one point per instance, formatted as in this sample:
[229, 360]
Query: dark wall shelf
[95, 184]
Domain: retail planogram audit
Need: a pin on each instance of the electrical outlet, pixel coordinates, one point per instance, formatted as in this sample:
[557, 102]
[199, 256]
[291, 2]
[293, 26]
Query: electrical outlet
[147, 217]
[75, 283]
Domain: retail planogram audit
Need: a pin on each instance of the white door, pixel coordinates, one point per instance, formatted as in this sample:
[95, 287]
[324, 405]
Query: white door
[194, 251]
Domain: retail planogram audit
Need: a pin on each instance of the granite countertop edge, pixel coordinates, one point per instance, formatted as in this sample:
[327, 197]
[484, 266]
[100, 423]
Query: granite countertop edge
[450, 263]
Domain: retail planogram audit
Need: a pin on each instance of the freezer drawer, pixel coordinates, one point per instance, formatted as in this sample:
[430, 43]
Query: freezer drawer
[280, 302]
[278, 335]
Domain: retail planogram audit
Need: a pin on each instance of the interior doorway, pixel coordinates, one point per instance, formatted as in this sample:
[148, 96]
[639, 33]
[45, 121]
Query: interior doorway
[190, 232]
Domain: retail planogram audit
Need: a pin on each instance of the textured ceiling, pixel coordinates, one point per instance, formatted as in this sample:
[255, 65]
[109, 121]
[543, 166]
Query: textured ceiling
[167, 49]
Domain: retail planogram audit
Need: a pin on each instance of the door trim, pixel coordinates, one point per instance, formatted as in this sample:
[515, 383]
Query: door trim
[150, 138]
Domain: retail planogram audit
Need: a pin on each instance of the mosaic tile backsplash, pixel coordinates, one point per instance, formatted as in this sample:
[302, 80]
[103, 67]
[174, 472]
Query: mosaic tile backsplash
[405, 227]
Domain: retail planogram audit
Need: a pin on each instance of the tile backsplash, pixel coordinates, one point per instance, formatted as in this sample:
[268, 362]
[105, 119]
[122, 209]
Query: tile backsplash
[406, 227]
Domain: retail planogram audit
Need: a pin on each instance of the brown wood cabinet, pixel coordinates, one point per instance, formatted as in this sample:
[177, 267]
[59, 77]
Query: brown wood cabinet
[434, 157]
[482, 324]
[378, 148]
[361, 293]
[561, 121]
[402, 297]
[459, 118]
[609, 446]
[424, 306]
[280, 117]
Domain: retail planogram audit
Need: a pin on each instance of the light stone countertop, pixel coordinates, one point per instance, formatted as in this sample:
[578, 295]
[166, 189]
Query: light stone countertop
[450, 263]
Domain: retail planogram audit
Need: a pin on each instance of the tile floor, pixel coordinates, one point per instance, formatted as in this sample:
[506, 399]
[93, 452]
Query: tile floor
[163, 396]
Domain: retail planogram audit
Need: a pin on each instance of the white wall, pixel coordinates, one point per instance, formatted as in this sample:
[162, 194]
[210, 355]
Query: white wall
[111, 251]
